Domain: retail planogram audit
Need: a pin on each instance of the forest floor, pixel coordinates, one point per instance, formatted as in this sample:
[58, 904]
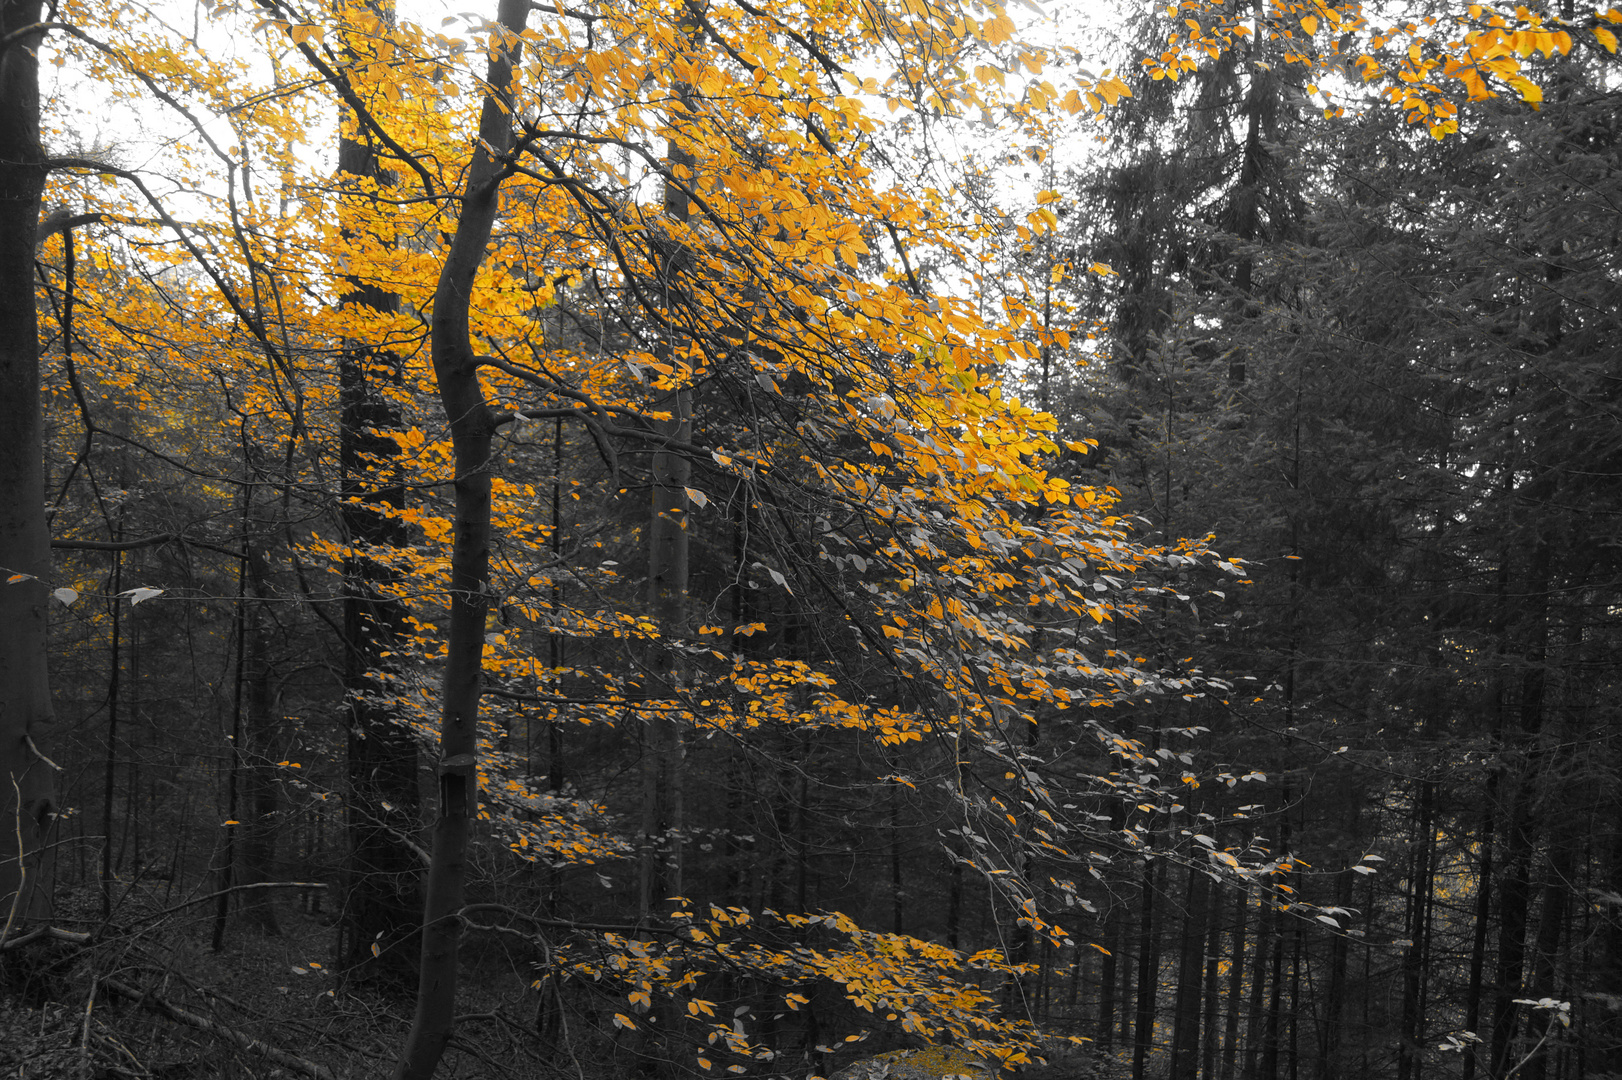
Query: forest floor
[152, 999]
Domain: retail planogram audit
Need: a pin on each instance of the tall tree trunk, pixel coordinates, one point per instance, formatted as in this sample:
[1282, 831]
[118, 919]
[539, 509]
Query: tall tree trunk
[1143, 1028]
[1185, 1040]
[1107, 979]
[1410, 1048]
[1236, 985]
[26, 787]
[1212, 990]
[1266, 938]
[662, 802]
[381, 880]
[1332, 1030]
[263, 739]
[1483, 914]
[472, 426]
[1520, 836]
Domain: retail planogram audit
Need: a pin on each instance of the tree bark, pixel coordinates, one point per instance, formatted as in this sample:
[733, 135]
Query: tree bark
[1143, 1028]
[1236, 985]
[1185, 1040]
[382, 894]
[264, 740]
[26, 785]
[662, 801]
[472, 426]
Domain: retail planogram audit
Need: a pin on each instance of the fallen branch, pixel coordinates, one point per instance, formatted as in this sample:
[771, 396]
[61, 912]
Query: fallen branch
[236, 1038]
[73, 936]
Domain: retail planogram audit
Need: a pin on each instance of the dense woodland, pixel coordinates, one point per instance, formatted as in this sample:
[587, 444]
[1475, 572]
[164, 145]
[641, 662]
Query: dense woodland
[678, 537]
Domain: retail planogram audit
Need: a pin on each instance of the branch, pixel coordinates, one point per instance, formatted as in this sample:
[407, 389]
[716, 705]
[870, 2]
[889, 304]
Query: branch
[341, 84]
[37, 28]
[239, 888]
[61, 219]
[121, 545]
[827, 62]
[74, 936]
[145, 541]
[236, 1038]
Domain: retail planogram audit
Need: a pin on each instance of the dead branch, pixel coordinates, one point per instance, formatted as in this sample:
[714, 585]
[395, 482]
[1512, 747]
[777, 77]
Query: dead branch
[153, 1003]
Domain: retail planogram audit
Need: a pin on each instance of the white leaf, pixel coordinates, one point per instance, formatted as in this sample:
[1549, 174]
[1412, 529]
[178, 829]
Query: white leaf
[1328, 920]
[138, 595]
[698, 497]
[66, 595]
[780, 579]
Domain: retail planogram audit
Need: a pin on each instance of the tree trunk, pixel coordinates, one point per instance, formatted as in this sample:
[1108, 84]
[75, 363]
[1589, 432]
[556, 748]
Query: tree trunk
[1143, 1029]
[662, 802]
[1520, 835]
[472, 426]
[1212, 991]
[26, 787]
[1410, 1049]
[1185, 1040]
[263, 747]
[382, 895]
[1236, 985]
[661, 864]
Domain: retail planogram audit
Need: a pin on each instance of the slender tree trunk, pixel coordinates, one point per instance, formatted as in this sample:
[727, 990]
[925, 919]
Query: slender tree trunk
[1420, 886]
[1483, 915]
[226, 864]
[1266, 938]
[109, 773]
[263, 746]
[663, 750]
[1330, 1033]
[662, 802]
[1275, 1007]
[1212, 991]
[1108, 979]
[1514, 891]
[1143, 1029]
[1236, 985]
[472, 425]
[1185, 1040]
[26, 787]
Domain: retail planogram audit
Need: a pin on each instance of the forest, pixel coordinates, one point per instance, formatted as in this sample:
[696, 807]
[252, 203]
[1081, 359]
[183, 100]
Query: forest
[887, 538]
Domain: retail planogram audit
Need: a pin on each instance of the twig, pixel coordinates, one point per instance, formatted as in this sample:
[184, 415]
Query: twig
[22, 868]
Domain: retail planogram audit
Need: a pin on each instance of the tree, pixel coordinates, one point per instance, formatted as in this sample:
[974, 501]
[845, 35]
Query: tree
[25, 700]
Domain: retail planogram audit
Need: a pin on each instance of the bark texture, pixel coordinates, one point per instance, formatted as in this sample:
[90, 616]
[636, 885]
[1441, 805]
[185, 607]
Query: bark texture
[26, 789]
[382, 895]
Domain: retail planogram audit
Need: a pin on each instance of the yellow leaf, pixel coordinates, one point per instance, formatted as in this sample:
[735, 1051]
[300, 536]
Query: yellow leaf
[1605, 38]
[1309, 23]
